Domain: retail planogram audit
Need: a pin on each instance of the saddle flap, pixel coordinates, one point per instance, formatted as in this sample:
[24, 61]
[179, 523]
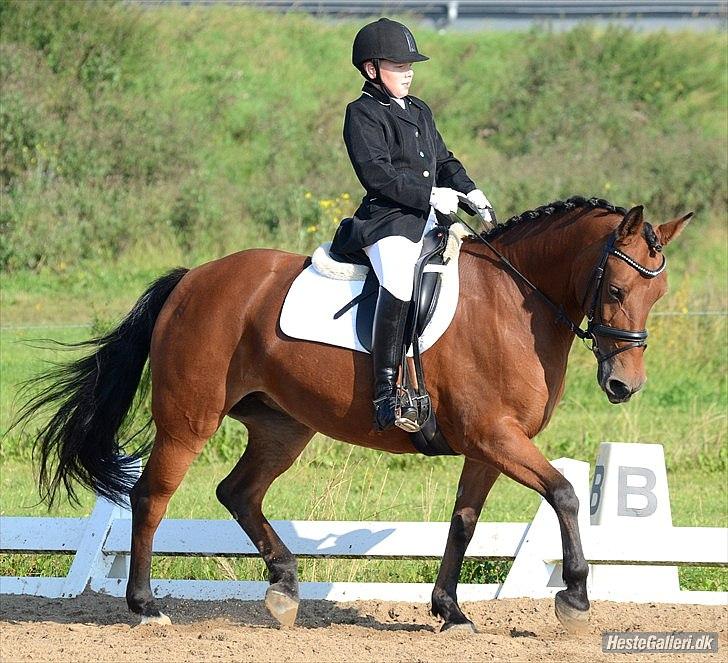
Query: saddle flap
[425, 292]
[365, 310]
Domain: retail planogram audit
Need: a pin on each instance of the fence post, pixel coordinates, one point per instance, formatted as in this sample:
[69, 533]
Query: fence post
[90, 562]
[90, 549]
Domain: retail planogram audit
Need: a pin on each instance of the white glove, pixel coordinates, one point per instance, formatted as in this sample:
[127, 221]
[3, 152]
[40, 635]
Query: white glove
[444, 200]
[477, 197]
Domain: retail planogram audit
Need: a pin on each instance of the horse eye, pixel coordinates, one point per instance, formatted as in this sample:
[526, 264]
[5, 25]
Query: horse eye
[615, 293]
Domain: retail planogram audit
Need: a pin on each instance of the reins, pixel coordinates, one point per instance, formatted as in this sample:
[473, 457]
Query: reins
[634, 338]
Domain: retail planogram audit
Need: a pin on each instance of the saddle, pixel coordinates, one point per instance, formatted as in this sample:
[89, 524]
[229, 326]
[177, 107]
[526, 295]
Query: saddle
[334, 298]
[425, 435]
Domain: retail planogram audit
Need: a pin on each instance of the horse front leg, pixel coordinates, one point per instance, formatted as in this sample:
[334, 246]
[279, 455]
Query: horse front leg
[476, 480]
[514, 454]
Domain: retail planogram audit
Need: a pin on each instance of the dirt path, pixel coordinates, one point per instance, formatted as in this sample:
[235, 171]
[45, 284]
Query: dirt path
[97, 628]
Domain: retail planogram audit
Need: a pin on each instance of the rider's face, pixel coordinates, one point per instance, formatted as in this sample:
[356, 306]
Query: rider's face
[396, 76]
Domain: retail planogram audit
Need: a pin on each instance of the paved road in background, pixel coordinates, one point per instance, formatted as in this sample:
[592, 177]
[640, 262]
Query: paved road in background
[513, 15]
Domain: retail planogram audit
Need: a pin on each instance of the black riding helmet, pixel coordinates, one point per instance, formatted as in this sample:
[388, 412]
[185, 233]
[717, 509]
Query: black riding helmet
[384, 40]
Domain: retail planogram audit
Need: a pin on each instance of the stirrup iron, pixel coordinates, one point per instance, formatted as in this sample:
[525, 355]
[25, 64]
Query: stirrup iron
[406, 412]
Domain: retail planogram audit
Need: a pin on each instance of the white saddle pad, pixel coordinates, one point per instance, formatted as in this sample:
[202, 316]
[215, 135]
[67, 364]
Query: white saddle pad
[314, 298]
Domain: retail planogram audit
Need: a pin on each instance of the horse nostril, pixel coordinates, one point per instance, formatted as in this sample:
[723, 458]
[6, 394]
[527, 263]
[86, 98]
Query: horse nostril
[618, 388]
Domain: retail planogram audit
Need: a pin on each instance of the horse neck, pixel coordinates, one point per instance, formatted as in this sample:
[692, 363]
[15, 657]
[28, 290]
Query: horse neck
[555, 254]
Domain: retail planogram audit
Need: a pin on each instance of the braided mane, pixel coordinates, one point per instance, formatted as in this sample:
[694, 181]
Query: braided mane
[566, 205]
[547, 210]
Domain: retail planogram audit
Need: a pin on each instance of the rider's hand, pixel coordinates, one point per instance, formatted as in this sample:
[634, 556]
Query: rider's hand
[444, 200]
[477, 197]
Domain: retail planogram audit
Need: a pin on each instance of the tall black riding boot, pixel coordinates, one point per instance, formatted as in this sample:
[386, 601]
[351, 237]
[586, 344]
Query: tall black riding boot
[390, 318]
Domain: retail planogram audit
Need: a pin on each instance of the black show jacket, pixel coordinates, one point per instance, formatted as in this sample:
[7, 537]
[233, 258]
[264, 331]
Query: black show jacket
[398, 156]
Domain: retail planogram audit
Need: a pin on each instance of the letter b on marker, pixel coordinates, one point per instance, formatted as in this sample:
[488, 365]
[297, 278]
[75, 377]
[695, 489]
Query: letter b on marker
[640, 490]
[626, 488]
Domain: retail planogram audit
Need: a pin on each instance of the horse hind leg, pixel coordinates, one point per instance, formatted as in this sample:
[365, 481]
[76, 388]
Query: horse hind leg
[168, 463]
[275, 440]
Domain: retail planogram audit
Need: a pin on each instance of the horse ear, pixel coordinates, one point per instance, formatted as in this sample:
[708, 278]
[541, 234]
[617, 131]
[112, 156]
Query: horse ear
[670, 230]
[631, 223]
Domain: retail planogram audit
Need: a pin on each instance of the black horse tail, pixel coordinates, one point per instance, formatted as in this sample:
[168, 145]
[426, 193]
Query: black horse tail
[94, 396]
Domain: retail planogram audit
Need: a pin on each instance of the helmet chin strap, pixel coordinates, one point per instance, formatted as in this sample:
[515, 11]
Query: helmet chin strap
[378, 79]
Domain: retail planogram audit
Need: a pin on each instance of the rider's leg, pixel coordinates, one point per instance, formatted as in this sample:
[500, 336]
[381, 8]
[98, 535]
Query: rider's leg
[393, 260]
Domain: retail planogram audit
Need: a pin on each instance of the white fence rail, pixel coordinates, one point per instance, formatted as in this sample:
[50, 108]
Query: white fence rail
[101, 546]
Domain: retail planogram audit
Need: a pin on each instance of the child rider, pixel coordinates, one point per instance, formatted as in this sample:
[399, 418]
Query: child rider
[405, 167]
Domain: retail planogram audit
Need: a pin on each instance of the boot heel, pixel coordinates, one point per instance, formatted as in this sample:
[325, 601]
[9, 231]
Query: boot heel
[384, 413]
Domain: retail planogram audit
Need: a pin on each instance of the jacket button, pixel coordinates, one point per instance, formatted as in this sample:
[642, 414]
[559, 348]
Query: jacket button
[422, 154]
[426, 173]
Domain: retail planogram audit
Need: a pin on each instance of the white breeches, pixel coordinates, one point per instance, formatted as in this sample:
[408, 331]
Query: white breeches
[393, 259]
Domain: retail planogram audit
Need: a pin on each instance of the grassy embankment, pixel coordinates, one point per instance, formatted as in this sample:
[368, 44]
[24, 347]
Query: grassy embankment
[134, 141]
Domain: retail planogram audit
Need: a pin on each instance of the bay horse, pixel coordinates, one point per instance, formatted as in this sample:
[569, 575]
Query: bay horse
[215, 349]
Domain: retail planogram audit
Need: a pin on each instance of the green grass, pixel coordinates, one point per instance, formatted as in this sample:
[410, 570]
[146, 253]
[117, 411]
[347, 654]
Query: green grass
[164, 133]
[682, 407]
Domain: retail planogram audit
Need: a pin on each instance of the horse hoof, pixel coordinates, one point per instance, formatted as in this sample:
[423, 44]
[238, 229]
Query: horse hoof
[459, 627]
[573, 620]
[160, 619]
[281, 606]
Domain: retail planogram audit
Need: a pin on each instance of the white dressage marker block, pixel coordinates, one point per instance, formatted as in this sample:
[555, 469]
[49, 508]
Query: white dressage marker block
[630, 495]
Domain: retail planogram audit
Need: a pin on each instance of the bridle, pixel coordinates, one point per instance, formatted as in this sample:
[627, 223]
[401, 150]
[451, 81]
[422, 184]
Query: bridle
[634, 339]
[594, 328]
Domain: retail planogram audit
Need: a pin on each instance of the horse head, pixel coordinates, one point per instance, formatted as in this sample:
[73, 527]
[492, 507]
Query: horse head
[629, 279]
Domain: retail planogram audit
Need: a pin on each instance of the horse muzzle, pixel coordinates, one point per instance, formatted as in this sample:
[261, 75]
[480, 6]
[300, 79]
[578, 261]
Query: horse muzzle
[618, 388]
